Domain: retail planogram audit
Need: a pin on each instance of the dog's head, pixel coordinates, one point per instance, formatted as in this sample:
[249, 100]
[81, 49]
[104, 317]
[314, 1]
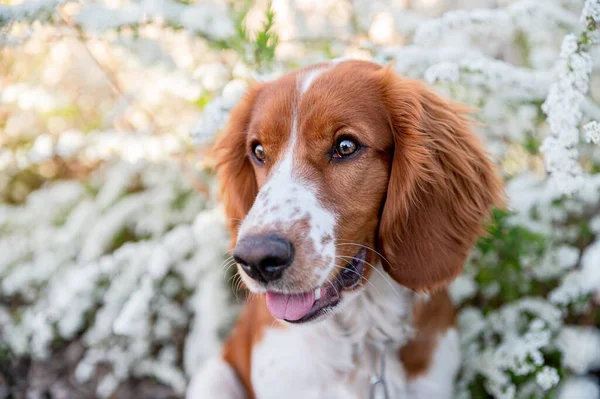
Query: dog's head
[335, 167]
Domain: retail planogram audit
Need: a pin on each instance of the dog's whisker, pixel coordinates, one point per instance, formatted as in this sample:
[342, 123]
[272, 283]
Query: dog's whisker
[237, 286]
[361, 277]
[233, 280]
[225, 271]
[378, 271]
[225, 265]
[341, 242]
[328, 280]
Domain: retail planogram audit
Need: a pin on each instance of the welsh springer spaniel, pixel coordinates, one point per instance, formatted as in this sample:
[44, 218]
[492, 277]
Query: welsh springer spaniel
[353, 198]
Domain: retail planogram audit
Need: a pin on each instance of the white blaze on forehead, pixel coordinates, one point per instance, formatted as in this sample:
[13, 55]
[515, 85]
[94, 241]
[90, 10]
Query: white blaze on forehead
[306, 79]
[287, 198]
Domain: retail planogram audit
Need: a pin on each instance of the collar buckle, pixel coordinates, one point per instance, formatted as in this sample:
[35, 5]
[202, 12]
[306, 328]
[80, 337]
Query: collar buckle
[378, 387]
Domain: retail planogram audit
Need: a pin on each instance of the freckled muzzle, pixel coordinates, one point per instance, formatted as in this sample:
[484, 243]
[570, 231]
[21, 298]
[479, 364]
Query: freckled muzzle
[308, 306]
[284, 249]
[288, 252]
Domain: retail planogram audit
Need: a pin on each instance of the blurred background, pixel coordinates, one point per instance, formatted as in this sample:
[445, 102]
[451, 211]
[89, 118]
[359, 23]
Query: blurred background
[114, 274]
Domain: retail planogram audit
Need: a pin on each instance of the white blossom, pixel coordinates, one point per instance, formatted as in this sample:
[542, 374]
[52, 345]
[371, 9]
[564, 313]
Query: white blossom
[569, 46]
[446, 71]
[216, 113]
[563, 109]
[28, 10]
[580, 347]
[207, 18]
[579, 387]
[547, 378]
[591, 10]
[464, 287]
[592, 132]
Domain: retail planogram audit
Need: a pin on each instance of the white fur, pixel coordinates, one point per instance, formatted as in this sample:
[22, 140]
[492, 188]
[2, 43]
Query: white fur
[215, 380]
[438, 381]
[331, 359]
[306, 79]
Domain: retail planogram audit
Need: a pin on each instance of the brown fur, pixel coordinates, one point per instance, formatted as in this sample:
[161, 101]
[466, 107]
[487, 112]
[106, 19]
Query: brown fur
[234, 170]
[247, 333]
[345, 100]
[441, 188]
[431, 319]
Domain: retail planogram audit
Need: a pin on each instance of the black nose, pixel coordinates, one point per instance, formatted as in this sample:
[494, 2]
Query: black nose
[264, 258]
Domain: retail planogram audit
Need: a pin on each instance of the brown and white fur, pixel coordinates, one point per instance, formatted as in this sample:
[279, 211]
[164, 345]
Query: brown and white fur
[410, 200]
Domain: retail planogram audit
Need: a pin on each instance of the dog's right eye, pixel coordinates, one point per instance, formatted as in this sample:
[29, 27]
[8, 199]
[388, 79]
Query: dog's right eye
[344, 148]
[259, 152]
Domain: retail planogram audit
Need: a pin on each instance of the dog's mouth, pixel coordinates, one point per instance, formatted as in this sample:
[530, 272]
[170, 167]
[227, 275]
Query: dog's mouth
[308, 306]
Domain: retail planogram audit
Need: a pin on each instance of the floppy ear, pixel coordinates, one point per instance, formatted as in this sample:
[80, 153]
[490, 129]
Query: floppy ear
[238, 186]
[441, 188]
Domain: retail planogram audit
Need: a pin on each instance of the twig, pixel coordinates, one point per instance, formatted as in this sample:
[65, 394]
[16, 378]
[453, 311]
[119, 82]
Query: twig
[107, 72]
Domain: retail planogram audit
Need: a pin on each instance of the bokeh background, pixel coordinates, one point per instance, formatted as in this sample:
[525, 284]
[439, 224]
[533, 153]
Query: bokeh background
[114, 273]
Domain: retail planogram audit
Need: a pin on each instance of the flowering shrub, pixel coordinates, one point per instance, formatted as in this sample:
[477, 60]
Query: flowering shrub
[110, 234]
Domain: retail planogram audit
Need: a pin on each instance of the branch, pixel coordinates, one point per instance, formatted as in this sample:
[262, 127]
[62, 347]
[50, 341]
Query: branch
[108, 73]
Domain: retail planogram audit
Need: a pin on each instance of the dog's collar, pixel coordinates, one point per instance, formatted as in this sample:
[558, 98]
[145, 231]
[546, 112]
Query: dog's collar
[378, 388]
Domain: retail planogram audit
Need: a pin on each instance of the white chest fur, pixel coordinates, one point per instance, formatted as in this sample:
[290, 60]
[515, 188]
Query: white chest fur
[332, 359]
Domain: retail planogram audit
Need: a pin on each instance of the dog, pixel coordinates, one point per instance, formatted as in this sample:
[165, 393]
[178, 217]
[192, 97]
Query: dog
[353, 197]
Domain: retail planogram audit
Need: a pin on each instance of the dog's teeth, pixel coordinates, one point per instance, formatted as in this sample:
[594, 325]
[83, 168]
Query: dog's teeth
[318, 293]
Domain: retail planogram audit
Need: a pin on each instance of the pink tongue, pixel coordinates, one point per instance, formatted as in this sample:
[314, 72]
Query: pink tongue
[289, 307]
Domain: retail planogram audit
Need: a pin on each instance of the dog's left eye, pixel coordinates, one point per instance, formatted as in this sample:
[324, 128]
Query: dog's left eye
[259, 152]
[344, 148]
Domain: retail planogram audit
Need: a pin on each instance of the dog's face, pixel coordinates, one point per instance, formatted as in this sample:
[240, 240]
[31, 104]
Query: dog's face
[331, 167]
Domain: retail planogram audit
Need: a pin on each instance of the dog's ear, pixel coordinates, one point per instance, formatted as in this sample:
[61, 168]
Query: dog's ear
[441, 188]
[238, 186]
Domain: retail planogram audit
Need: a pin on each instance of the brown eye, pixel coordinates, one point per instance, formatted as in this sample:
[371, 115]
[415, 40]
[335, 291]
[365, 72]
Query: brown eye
[259, 152]
[344, 148]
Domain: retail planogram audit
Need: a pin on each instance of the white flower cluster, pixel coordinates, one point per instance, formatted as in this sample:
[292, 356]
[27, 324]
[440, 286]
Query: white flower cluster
[28, 11]
[475, 48]
[547, 378]
[211, 19]
[111, 256]
[496, 76]
[591, 11]
[216, 113]
[581, 282]
[580, 387]
[563, 109]
[592, 132]
[490, 30]
[489, 341]
[509, 341]
[208, 18]
[488, 25]
[581, 348]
